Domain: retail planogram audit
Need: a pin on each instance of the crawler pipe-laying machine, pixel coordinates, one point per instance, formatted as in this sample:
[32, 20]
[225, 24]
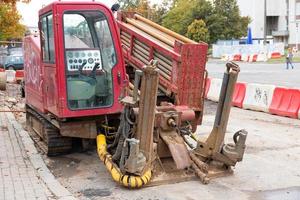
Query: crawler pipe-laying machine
[131, 84]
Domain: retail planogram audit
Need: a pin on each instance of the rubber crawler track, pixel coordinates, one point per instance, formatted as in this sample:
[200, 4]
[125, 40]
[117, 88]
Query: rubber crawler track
[52, 143]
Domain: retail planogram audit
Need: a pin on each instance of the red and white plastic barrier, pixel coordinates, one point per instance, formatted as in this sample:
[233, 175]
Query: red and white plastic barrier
[207, 86]
[214, 89]
[285, 102]
[260, 57]
[239, 94]
[260, 97]
[10, 76]
[13, 76]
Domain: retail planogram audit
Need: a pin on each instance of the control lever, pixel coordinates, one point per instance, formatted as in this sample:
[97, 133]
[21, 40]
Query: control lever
[81, 67]
[93, 73]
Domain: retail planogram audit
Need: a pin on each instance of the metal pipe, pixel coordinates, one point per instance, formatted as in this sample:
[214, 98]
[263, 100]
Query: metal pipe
[125, 39]
[143, 60]
[157, 36]
[165, 30]
[147, 53]
[142, 44]
[164, 58]
[165, 65]
[164, 70]
[141, 54]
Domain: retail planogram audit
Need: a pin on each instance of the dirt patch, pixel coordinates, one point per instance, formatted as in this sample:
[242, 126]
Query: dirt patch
[95, 193]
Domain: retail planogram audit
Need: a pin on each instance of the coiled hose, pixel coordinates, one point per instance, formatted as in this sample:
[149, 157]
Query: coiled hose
[129, 181]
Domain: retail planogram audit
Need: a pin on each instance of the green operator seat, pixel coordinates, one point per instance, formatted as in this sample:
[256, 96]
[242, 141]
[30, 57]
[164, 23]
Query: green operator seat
[81, 90]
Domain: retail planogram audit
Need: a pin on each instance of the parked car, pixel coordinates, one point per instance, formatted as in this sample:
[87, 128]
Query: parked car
[14, 63]
[16, 51]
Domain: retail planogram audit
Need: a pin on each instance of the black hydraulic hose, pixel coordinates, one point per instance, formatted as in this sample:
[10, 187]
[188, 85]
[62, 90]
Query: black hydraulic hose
[116, 140]
[118, 153]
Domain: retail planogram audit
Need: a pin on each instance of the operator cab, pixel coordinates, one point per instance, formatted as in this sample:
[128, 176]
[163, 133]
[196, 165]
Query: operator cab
[89, 57]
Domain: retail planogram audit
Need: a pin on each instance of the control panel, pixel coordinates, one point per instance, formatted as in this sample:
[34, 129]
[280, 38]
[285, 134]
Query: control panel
[76, 58]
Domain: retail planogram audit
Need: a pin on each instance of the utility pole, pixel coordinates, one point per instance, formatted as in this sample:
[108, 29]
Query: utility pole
[265, 22]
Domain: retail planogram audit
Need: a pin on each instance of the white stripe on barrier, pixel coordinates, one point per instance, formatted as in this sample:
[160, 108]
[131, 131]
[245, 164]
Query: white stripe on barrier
[258, 97]
[10, 76]
[245, 57]
[262, 58]
[214, 89]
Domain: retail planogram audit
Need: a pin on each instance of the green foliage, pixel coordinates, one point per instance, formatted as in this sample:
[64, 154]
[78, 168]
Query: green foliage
[197, 31]
[184, 12]
[14, 1]
[153, 12]
[10, 27]
[221, 18]
[230, 21]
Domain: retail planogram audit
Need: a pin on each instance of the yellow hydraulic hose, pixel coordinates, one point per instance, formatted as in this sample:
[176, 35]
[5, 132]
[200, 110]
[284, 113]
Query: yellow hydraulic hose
[129, 181]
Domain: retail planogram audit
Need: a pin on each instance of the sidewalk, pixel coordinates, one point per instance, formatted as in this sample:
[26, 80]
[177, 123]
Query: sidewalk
[23, 173]
[18, 179]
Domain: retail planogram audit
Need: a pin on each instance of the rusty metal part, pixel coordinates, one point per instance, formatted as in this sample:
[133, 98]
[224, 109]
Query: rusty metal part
[82, 129]
[147, 104]
[136, 160]
[201, 165]
[177, 148]
[186, 113]
[202, 176]
[236, 151]
[213, 147]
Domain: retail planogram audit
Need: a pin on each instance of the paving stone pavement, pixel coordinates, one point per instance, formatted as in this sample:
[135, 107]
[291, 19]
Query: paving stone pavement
[18, 178]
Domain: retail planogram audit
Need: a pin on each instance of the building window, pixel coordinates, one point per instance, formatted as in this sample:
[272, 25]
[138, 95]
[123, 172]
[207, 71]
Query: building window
[47, 37]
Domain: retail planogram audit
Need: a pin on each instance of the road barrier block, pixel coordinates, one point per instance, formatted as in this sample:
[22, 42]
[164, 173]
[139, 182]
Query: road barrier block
[275, 55]
[19, 75]
[245, 58]
[262, 57]
[258, 97]
[285, 102]
[10, 76]
[214, 89]
[237, 57]
[207, 86]
[253, 58]
[239, 94]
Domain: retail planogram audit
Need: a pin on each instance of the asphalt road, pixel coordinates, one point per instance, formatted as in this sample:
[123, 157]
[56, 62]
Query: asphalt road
[269, 171]
[265, 73]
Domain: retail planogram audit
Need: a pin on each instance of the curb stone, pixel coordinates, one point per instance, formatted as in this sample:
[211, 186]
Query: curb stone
[38, 163]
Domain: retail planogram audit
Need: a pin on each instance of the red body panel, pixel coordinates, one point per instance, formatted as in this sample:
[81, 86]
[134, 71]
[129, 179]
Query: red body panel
[45, 84]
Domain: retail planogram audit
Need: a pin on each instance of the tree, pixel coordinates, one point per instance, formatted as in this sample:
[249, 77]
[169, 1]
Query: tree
[222, 18]
[10, 27]
[153, 12]
[184, 12]
[197, 31]
[226, 21]
[13, 2]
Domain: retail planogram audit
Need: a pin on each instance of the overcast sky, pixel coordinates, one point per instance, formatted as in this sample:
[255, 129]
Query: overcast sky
[29, 11]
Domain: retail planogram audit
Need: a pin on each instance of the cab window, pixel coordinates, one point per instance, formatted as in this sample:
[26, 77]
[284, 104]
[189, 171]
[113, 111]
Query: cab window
[89, 57]
[47, 37]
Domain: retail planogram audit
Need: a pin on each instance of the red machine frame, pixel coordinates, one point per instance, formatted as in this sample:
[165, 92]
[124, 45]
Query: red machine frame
[48, 93]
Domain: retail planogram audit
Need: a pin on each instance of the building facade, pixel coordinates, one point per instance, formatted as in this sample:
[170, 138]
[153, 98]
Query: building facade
[282, 19]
